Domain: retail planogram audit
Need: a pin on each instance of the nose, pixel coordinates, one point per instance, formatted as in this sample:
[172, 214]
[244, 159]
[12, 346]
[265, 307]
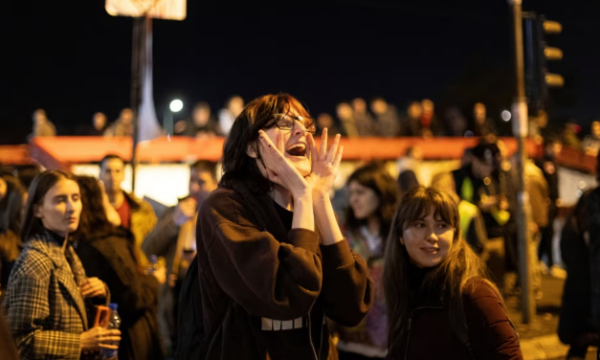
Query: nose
[431, 236]
[299, 128]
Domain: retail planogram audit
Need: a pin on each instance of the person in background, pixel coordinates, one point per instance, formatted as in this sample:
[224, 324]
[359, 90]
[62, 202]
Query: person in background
[409, 169]
[345, 115]
[591, 143]
[202, 125]
[411, 122]
[549, 167]
[429, 122]
[440, 303]
[476, 183]
[7, 344]
[454, 121]
[12, 199]
[123, 126]
[373, 199]
[388, 123]
[365, 123]
[42, 126]
[579, 324]
[227, 116]
[268, 279]
[484, 126]
[48, 289]
[325, 120]
[174, 238]
[538, 127]
[98, 125]
[136, 215]
[569, 136]
[107, 252]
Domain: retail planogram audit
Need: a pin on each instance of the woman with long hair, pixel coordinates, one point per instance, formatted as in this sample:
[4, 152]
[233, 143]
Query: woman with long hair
[48, 289]
[12, 196]
[268, 278]
[440, 303]
[373, 198]
[108, 253]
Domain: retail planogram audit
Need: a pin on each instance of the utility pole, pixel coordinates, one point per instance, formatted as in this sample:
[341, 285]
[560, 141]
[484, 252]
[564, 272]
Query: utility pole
[520, 127]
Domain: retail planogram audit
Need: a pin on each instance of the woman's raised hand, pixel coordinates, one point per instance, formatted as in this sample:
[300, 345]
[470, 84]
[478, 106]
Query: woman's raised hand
[279, 169]
[325, 163]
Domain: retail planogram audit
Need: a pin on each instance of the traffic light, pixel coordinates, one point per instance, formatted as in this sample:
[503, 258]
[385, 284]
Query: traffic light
[539, 55]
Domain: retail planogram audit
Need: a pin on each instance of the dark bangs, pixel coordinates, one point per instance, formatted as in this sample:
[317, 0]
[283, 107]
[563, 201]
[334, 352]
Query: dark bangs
[417, 203]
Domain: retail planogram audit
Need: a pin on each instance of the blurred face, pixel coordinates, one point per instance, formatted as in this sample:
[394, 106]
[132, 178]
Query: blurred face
[236, 105]
[344, 111]
[596, 129]
[2, 188]
[360, 106]
[481, 169]
[295, 144]
[417, 153]
[112, 175]
[415, 110]
[202, 183]
[39, 116]
[127, 116]
[61, 207]
[379, 106]
[201, 116]
[99, 121]
[479, 112]
[554, 149]
[427, 106]
[427, 240]
[325, 121]
[363, 200]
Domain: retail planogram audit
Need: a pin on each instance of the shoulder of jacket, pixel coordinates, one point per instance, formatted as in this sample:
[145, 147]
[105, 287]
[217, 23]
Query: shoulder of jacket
[223, 205]
[34, 261]
[478, 288]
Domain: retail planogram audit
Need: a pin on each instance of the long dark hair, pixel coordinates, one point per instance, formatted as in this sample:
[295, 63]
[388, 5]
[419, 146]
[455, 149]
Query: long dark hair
[32, 225]
[93, 221]
[257, 115]
[11, 206]
[375, 177]
[451, 277]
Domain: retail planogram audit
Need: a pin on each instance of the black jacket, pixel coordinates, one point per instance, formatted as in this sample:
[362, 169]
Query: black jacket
[110, 257]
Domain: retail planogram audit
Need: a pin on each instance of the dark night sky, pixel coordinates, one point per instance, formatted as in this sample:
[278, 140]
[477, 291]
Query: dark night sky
[74, 64]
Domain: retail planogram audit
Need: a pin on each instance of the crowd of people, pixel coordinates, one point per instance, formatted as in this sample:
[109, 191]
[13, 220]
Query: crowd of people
[263, 263]
[352, 119]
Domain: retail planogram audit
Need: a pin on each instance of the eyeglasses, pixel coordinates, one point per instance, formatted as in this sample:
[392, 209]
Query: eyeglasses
[286, 122]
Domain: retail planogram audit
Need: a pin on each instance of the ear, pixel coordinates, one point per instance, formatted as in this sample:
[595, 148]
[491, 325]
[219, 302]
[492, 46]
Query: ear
[37, 211]
[402, 242]
[252, 151]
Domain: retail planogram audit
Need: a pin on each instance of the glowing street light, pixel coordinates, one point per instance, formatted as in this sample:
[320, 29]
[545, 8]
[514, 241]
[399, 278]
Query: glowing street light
[176, 105]
[506, 115]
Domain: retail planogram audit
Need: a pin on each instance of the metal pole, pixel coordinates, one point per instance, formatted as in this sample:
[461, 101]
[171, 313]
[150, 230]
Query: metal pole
[136, 55]
[520, 126]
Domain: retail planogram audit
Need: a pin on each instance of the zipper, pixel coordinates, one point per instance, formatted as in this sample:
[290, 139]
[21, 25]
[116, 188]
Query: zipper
[410, 317]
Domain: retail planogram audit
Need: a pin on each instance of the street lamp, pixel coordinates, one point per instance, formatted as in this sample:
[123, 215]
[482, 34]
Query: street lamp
[175, 106]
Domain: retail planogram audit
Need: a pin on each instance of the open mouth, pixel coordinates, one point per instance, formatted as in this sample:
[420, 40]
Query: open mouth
[430, 250]
[298, 149]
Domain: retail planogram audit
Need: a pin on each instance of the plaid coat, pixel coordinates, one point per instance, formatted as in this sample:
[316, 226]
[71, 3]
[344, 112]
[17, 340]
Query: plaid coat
[45, 311]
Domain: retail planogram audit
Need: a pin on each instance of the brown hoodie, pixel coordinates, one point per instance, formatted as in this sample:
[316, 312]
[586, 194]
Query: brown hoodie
[265, 291]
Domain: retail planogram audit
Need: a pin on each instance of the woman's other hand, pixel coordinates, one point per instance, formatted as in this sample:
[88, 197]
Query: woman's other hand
[325, 163]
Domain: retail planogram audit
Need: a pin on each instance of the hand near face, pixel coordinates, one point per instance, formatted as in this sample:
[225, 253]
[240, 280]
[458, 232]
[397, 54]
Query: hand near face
[279, 169]
[325, 163]
[92, 288]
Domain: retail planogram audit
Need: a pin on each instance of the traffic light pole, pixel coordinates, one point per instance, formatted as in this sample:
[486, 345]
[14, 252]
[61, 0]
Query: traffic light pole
[520, 127]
